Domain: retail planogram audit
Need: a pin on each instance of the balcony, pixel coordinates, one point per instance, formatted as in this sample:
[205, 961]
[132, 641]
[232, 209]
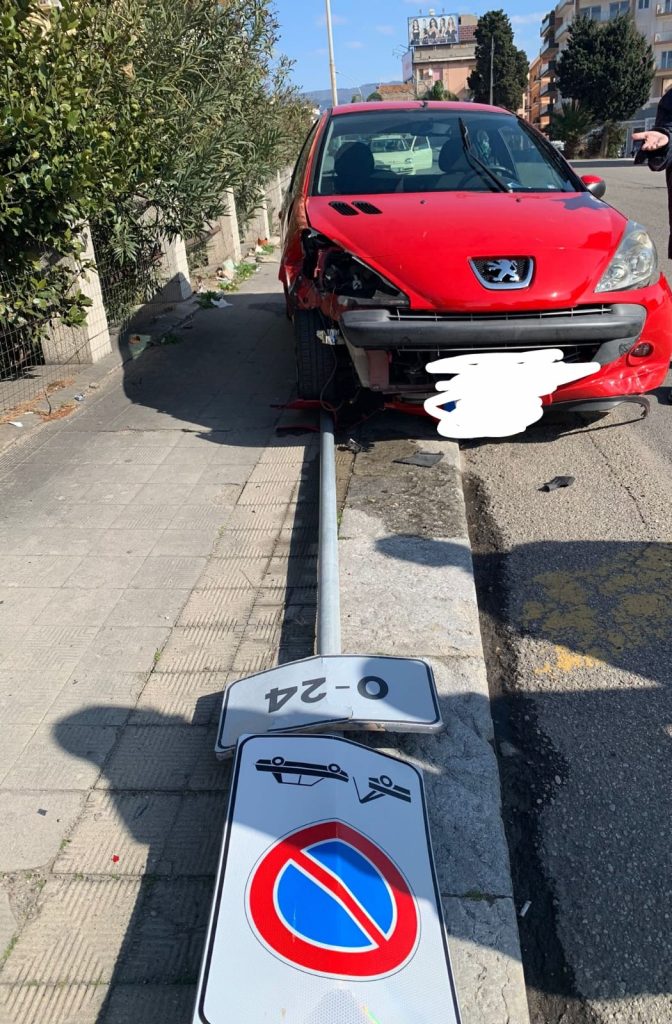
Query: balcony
[664, 8]
[547, 69]
[663, 37]
[549, 48]
[548, 89]
[562, 30]
[547, 23]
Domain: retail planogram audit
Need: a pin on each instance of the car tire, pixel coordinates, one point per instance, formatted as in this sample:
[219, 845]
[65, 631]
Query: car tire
[316, 363]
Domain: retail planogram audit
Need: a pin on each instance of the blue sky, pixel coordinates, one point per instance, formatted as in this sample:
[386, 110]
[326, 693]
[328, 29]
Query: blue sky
[368, 32]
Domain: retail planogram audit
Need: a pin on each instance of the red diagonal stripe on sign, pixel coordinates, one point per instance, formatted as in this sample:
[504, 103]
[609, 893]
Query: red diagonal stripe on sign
[336, 888]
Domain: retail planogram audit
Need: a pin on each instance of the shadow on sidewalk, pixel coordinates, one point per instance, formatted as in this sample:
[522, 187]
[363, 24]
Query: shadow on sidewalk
[167, 794]
[157, 966]
[219, 376]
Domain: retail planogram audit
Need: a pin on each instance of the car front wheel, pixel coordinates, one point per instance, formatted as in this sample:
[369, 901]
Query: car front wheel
[316, 363]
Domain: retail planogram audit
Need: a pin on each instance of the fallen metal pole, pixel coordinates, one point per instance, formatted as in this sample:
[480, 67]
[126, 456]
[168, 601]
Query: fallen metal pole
[328, 597]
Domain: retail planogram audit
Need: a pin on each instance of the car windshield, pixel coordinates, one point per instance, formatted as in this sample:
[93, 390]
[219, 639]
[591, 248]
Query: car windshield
[430, 150]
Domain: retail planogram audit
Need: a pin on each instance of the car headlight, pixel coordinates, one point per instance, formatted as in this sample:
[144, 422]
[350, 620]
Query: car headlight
[346, 277]
[356, 284]
[634, 263]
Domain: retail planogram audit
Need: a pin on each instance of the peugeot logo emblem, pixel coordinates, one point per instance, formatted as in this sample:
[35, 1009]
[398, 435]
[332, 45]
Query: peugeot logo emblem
[503, 271]
[508, 272]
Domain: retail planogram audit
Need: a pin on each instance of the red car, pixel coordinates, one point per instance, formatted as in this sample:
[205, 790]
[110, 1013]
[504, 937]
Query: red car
[419, 230]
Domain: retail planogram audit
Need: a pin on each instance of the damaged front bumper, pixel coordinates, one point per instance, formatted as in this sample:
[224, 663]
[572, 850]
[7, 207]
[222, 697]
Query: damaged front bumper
[391, 348]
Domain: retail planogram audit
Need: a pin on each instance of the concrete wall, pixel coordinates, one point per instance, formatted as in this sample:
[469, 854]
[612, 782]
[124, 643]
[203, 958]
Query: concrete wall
[264, 222]
[91, 342]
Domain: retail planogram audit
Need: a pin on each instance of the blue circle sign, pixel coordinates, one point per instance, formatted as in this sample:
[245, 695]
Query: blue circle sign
[328, 900]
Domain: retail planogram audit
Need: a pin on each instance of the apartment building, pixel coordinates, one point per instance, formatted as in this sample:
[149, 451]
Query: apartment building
[654, 20]
[541, 92]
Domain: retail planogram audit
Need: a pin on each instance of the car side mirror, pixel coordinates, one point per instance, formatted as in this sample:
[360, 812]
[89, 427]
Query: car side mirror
[596, 186]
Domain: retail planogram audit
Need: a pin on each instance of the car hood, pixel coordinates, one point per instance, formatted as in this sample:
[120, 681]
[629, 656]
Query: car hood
[423, 242]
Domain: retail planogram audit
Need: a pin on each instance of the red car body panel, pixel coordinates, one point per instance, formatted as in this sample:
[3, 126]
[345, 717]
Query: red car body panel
[422, 243]
[631, 375]
[430, 263]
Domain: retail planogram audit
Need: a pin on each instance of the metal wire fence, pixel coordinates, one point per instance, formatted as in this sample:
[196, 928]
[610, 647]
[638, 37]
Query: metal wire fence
[40, 356]
[129, 289]
[37, 357]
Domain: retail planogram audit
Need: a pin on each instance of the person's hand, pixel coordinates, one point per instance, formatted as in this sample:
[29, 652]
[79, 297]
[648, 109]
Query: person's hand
[651, 140]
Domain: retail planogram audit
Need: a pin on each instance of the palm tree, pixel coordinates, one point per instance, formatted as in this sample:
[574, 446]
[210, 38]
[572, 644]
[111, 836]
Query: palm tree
[571, 123]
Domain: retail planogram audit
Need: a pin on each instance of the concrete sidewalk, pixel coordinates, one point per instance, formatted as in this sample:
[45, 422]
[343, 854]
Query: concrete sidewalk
[157, 544]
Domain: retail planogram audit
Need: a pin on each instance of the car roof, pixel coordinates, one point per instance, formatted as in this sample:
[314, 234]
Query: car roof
[377, 106]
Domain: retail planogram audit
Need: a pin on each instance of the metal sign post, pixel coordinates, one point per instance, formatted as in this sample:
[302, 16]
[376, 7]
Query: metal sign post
[326, 905]
[329, 600]
[331, 690]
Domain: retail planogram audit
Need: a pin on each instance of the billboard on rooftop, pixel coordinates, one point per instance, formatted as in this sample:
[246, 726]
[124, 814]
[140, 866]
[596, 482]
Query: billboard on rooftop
[434, 30]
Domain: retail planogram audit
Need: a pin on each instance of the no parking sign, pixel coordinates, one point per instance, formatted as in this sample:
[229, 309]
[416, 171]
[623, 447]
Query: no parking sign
[328, 900]
[326, 904]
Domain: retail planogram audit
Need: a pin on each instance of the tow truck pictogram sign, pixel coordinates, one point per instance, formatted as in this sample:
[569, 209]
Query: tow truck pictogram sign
[326, 892]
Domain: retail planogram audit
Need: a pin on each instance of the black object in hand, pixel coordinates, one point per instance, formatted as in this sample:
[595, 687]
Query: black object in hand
[641, 155]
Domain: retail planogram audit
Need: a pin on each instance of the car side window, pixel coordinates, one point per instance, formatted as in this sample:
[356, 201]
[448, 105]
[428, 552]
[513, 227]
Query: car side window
[300, 165]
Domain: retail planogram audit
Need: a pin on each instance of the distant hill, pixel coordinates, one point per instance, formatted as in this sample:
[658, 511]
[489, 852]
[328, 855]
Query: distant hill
[323, 96]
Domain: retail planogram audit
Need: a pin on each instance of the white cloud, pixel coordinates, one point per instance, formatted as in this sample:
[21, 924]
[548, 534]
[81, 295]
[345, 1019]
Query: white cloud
[535, 18]
[321, 52]
[355, 44]
[386, 30]
[336, 19]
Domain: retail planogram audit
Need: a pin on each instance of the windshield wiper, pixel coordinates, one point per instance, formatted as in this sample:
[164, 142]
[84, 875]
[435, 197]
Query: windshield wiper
[473, 159]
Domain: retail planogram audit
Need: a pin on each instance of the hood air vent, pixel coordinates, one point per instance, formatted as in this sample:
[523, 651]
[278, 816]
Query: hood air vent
[366, 207]
[344, 208]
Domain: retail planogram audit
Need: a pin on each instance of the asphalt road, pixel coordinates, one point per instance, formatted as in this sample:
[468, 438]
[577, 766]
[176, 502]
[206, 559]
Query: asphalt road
[576, 593]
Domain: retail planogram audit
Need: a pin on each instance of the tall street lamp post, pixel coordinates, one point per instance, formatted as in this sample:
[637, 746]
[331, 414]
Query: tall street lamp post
[332, 65]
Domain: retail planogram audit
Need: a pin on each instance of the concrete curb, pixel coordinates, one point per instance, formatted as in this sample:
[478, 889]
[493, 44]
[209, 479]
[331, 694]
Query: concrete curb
[407, 588]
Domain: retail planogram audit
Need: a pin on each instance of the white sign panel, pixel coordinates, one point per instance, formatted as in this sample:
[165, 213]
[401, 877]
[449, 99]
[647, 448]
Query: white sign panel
[338, 691]
[326, 908]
